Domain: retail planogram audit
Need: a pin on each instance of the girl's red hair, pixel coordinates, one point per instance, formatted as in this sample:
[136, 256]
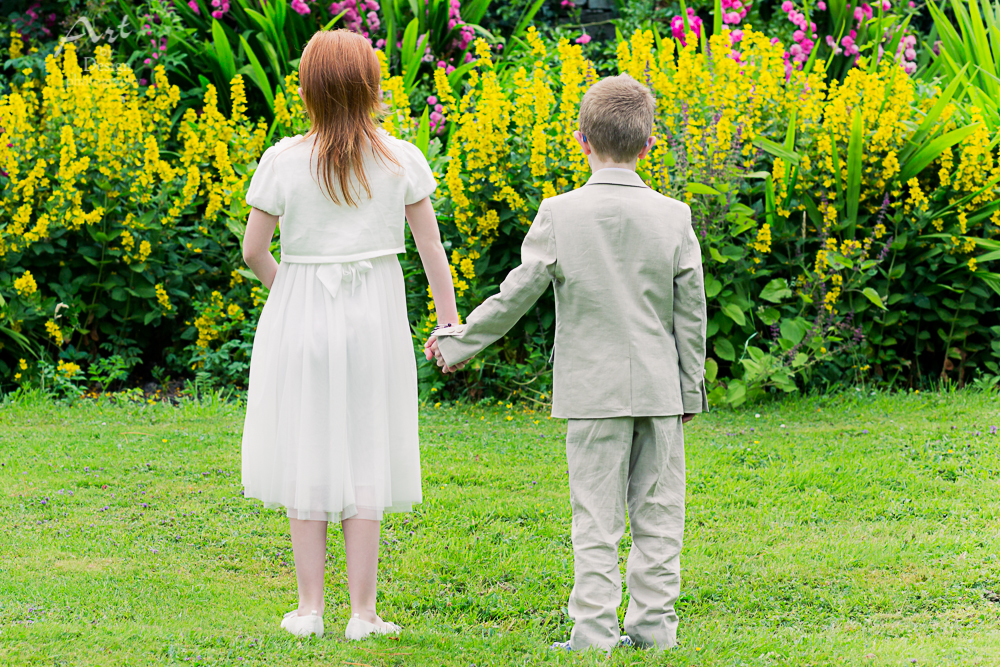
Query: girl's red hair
[340, 78]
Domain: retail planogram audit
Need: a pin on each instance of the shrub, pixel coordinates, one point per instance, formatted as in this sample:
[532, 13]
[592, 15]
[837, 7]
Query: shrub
[110, 211]
[811, 202]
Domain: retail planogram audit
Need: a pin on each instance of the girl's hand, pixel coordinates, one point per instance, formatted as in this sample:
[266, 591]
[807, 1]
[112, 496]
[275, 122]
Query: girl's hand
[431, 351]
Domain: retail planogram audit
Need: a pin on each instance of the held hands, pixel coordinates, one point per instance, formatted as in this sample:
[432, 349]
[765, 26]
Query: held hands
[431, 351]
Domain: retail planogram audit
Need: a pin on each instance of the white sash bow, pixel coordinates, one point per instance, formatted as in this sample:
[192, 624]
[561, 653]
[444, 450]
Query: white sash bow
[333, 275]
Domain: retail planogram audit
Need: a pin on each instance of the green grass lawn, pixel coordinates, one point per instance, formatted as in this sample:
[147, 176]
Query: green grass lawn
[841, 531]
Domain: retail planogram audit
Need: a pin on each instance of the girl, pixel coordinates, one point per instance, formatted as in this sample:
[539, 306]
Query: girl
[331, 423]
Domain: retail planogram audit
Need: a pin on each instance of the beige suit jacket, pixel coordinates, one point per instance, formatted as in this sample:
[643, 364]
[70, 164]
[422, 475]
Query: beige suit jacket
[630, 301]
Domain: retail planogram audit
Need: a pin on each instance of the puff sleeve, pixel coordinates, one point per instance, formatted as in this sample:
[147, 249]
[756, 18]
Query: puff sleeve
[265, 191]
[419, 178]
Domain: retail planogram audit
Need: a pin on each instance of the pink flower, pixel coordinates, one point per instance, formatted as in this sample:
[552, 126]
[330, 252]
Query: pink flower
[582, 39]
[432, 100]
[194, 6]
[821, 6]
[677, 26]
[449, 69]
[787, 6]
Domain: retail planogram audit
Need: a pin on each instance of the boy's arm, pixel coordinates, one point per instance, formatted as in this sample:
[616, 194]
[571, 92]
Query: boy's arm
[518, 292]
[690, 320]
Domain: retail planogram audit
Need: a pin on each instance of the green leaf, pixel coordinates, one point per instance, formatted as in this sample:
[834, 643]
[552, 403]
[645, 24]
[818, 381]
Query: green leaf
[410, 55]
[247, 273]
[223, 52]
[770, 316]
[259, 77]
[526, 17]
[736, 394]
[873, 297]
[930, 119]
[793, 330]
[776, 290]
[711, 369]
[790, 133]
[724, 350]
[424, 132]
[237, 228]
[926, 155]
[701, 188]
[734, 313]
[712, 286]
[717, 256]
[855, 153]
[777, 150]
[329, 24]
[838, 177]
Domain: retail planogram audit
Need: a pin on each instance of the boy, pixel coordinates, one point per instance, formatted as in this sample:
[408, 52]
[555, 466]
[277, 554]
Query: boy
[629, 364]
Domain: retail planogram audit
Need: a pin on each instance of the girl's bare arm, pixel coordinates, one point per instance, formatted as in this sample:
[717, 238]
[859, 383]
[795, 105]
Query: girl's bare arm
[424, 226]
[257, 246]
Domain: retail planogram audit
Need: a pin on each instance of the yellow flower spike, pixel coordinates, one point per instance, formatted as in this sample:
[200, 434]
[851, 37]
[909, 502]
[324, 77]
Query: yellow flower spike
[163, 298]
[55, 333]
[25, 284]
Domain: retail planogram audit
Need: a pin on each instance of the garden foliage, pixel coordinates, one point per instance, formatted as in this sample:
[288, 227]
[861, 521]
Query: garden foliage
[848, 218]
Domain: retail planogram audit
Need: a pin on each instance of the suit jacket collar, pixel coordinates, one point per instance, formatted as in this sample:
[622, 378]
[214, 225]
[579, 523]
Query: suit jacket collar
[616, 177]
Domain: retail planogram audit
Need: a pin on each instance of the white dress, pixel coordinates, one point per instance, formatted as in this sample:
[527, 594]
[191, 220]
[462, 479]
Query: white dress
[331, 421]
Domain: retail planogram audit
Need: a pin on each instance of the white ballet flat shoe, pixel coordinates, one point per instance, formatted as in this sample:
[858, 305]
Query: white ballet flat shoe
[303, 626]
[358, 629]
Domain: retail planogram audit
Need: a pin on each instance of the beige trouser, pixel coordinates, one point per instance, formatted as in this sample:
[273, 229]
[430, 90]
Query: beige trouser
[638, 463]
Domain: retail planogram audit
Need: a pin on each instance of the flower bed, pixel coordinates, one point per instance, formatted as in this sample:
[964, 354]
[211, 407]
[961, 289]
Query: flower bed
[846, 223]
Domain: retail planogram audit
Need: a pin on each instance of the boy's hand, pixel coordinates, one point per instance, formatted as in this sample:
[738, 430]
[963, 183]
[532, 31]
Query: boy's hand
[686, 418]
[431, 351]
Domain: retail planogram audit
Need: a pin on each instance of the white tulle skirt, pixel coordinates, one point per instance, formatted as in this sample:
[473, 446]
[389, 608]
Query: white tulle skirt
[331, 421]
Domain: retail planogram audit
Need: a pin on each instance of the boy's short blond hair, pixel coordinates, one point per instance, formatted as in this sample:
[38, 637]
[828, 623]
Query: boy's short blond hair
[616, 117]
